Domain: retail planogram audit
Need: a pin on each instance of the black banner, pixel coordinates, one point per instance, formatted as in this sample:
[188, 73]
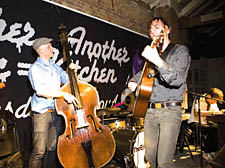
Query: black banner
[102, 51]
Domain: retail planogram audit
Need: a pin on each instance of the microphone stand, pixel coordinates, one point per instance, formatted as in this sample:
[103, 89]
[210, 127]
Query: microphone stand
[197, 97]
[200, 130]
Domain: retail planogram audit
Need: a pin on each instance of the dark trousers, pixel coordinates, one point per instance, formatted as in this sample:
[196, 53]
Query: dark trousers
[45, 128]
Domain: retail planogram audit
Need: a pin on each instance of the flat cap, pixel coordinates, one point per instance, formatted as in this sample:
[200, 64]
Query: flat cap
[41, 41]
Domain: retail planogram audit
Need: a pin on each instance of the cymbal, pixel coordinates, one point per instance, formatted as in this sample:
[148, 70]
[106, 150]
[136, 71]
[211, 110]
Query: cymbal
[124, 112]
[107, 111]
[112, 111]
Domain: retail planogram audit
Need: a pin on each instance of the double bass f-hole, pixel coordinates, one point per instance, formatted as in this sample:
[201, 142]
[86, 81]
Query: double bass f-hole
[85, 141]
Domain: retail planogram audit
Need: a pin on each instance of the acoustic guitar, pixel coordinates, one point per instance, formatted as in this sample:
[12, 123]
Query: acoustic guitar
[144, 87]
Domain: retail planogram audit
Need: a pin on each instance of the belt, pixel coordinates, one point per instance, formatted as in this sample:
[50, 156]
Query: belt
[162, 105]
[51, 110]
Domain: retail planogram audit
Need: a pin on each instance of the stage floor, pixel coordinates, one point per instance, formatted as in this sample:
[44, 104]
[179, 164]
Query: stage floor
[182, 160]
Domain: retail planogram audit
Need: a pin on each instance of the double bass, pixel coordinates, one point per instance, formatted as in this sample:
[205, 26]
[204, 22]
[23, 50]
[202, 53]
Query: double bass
[85, 143]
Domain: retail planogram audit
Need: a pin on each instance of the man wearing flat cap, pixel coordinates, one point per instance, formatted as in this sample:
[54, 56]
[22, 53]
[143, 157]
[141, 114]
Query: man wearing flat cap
[46, 78]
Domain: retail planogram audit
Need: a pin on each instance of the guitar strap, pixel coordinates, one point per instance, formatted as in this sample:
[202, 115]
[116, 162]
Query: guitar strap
[167, 51]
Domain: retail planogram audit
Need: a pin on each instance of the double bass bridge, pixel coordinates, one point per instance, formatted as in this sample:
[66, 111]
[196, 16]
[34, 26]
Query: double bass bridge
[81, 123]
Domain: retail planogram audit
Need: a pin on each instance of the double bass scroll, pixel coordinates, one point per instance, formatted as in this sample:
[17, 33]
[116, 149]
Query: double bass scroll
[85, 142]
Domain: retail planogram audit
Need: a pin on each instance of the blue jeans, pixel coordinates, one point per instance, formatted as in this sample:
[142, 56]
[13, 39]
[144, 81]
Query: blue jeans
[161, 130]
[45, 128]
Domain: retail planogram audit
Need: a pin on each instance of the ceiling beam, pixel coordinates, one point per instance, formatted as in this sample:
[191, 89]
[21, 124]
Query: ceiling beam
[198, 21]
[201, 8]
[194, 4]
[154, 3]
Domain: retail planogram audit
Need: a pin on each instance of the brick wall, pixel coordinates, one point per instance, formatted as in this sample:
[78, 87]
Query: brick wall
[130, 14]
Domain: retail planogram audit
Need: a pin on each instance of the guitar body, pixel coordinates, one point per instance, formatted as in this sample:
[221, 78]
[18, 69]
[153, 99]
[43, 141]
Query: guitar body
[143, 91]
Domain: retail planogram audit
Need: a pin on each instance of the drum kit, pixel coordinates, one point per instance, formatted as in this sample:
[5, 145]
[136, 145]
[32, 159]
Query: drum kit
[128, 132]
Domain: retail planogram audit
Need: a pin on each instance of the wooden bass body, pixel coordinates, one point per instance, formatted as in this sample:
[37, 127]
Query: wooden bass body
[70, 151]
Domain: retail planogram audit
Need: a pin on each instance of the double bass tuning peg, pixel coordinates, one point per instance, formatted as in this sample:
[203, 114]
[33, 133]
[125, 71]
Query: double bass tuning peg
[62, 27]
[63, 34]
